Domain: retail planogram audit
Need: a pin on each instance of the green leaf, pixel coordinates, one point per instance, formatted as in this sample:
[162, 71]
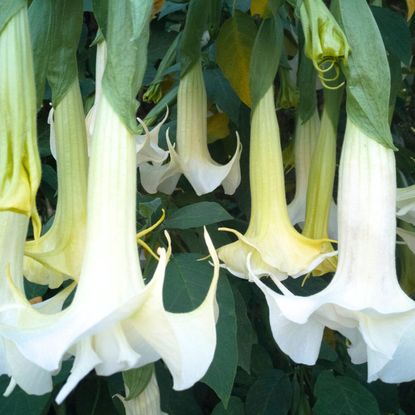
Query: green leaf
[345, 394]
[221, 374]
[235, 407]
[246, 334]
[233, 52]
[367, 73]
[8, 9]
[19, 402]
[127, 35]
[55, 30]
[267, 48]
[196, 215]
[395, 33]
[196, 21]
[136, 380]
[270, 394]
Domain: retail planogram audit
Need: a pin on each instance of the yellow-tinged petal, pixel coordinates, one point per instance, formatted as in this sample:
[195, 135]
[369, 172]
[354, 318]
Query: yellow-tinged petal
[270, 237]
[57, 255]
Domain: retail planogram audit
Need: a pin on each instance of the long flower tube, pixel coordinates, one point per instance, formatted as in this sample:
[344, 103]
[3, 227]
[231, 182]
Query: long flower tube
[306, 134]
[57, 255]
[115, 321]
[321, 180]
[19, 178]
[363, 301]
[191, 157]
[276, 248]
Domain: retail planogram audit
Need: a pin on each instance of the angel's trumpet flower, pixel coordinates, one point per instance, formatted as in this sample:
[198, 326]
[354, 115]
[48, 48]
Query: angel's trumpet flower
[115, 321]
[306, 134]
[276, 248]
[320, 205]
[57, 254]
[192, 156]
[325, 43]
[19, 180]
[363, 301]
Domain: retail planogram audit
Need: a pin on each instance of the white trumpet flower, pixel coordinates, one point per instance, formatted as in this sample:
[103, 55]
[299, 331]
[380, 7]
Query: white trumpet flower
[363, 301]
[276, 248]
[115, 321]
[191, 157]
[57, 255]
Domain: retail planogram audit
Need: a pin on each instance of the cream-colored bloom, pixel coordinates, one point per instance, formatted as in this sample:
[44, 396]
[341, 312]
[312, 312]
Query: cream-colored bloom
[116, 322]
[363, 301]
[276, 248]
[57, 255]
[191, 156]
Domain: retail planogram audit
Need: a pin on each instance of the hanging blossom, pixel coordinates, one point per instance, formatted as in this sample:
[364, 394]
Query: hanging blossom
[191, 156]
[115, 322]
[363, 301]
[19, 181]
[325, 43]
[147, 148]
[321, 180]
[275, 247]
[57, 255]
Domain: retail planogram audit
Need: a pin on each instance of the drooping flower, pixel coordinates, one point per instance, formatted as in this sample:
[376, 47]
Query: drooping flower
[123, 325]
[276, 248]
[363, 301]
[191, 156]
[19, 179]
[325, 43]
[321, 180]
[57, 255]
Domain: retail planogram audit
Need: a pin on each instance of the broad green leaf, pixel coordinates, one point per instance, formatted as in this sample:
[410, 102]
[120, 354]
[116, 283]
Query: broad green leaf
[221, 374]
[127, 35]
[197, 214]
[235, 407]
[411, 8]
[343, 395]
[196, 21]
[270, 394]
[267, 48]
[136, 380]
[395, 33]
[55, 27]
[19, 402]
[8, 9]
[246, 334]
[367, 72]
[233, 52]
